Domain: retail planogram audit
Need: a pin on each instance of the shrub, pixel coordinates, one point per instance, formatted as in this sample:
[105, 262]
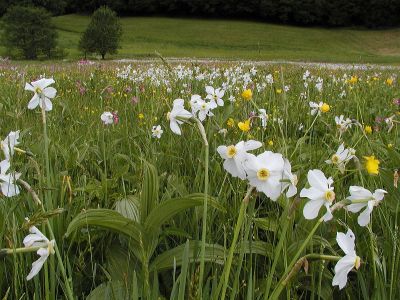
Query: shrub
[29, 30]
[103, 34]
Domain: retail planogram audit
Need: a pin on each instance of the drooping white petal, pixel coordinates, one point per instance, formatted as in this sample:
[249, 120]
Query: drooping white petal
[356, 207]
[328, 215]
[365, 217]
[346, 241]
[311, 209]
[38, 264]
[175, 127]
[252, 145]
[342, 269]
[34, 102]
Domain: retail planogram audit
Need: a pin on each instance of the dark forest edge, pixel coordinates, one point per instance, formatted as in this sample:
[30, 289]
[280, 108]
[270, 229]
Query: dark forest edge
[365, 13]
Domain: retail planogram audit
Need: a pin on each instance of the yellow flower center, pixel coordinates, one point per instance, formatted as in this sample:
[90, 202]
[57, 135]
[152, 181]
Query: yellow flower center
[204, 106]
[231, 151]
[263, 174]
[357, 262]
[329, 196]
[325, 107]
[335, 159]
[38, 90]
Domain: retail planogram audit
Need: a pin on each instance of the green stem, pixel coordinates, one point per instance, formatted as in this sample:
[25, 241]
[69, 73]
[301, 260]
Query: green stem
[8, 251]
[307, 131]
[204, 225]
[242, 252]
[276, 256]
[282, 282]
[239, 223]
[50, 205]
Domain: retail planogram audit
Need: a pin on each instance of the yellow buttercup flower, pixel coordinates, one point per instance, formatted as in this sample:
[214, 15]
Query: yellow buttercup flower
[247, 94]
[325, 108]
[372, 165]
[270, 143]
[389, 81]
[279, 91]
[368, 129]
[141, 116]
[353, 80]
[244, 126]
[230, 122]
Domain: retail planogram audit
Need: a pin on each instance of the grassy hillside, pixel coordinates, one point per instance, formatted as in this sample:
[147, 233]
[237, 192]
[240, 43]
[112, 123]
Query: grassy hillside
[239, 40]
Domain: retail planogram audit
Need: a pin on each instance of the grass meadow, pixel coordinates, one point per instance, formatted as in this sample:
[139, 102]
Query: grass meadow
[228, 39]
[135, 216]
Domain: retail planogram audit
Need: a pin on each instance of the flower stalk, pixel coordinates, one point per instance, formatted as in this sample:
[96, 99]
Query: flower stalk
[204, 225]
[239, 223]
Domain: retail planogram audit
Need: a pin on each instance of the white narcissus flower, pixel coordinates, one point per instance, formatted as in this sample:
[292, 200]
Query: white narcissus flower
[263, 116]
[107, 118]
[37, 239]
[7, 181]
[9, 143]
[358, 193]
[349, 261]
[43, 93]
[289, 180]
[341, 157]
[320, 194]
[342, 124]
[215, 96]
[156, 131]
[204, 109]
[314, 108]
[176, 115]
[235, 156]
[264, 172]
[194, 99]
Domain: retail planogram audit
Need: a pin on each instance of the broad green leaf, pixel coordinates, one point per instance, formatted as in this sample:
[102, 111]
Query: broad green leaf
[112, 290]
[169, 208]
[166, 260]
[129, 208]
[107, 219]
[149, 195]
[267, 224]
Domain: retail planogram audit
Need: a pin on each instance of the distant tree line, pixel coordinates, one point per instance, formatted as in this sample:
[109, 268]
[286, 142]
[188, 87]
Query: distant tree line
[369, 13]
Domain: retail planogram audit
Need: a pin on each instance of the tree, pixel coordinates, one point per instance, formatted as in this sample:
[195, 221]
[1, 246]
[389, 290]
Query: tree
[103, 34]
[30, 31]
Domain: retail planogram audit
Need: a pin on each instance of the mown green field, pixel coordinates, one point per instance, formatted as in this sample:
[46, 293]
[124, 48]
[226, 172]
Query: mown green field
[239, 40]
[125, 205]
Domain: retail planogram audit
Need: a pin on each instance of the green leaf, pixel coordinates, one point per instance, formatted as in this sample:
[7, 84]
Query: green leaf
[110, 220]
[114, 290]
[266, 224]
[213, 253]
[184, 270]
[169, 208]
[129, 207]
[149, 196]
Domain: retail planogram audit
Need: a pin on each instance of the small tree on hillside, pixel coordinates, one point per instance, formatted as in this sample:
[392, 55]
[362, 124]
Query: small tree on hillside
[30, 31]
[103, 34]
